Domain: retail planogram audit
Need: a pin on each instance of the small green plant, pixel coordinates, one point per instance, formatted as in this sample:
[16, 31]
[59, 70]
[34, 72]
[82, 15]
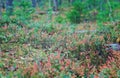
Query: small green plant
[60, 19]
[105, 73]
[48, 28]
[74, 16]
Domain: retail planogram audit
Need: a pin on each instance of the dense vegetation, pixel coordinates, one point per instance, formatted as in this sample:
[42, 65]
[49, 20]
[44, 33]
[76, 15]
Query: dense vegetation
[60, 39]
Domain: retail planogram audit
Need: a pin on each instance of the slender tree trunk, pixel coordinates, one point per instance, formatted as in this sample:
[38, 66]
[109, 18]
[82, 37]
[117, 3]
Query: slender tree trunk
[34, 3]
[9, 6]
[55, 5]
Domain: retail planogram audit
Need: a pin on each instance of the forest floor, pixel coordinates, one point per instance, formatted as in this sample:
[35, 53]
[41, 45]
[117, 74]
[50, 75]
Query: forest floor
[28, 46]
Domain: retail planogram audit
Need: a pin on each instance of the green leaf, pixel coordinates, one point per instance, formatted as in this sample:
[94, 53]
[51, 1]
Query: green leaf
[92, 76]
[66, 76]
[118, 73]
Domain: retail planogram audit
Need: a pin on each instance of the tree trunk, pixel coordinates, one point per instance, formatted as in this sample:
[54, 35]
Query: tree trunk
[55, 5]
[33, 3]
[9, 6]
